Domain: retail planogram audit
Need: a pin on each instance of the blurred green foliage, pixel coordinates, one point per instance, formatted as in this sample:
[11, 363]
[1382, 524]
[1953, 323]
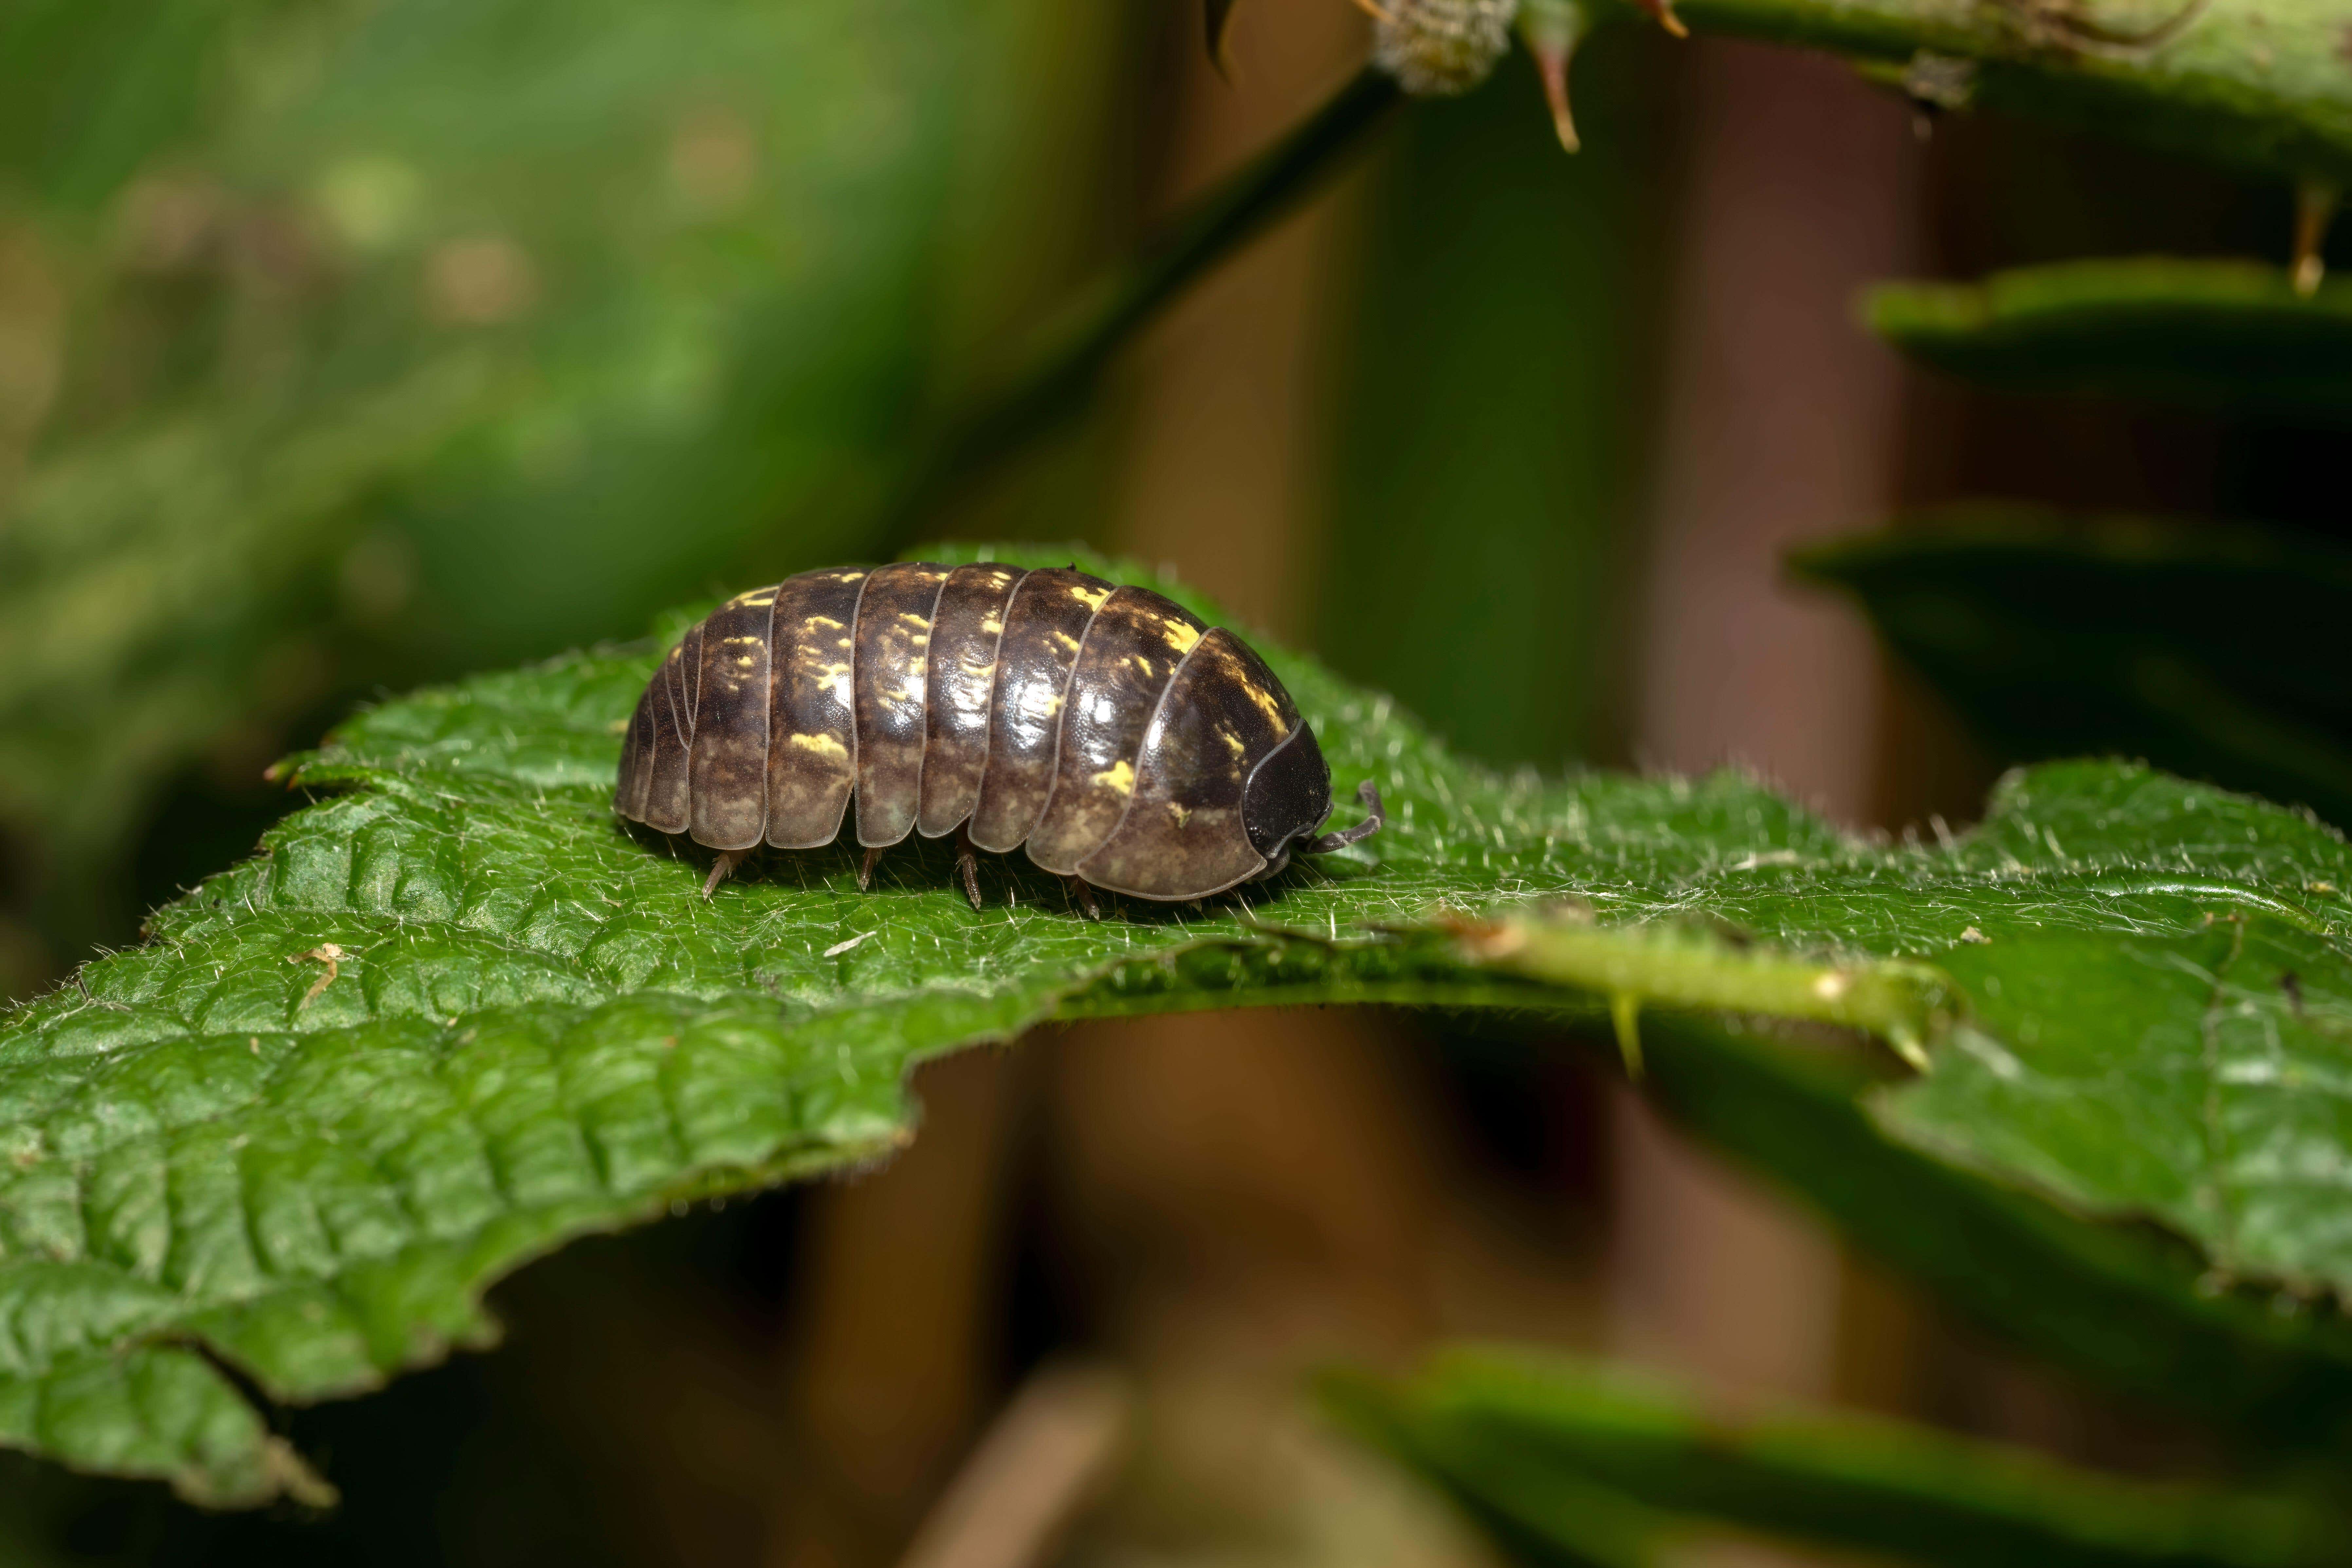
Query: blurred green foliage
[2211, 651]
[356, 344]
[1496, 372]
[1517, 1434]
[2228, 335]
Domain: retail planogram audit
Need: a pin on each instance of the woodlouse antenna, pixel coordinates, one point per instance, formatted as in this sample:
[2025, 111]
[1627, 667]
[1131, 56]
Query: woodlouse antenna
[1369, 795]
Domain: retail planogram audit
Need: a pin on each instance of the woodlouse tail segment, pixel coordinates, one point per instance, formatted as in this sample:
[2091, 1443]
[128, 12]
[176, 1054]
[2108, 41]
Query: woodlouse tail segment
[866, 869]
[1369, 795]
[723, 868]
[1082, 893]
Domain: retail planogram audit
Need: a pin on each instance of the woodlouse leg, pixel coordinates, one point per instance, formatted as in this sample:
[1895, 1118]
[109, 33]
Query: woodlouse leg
[866, 872]
[1083, 894]
[968, 866]
[723, 868]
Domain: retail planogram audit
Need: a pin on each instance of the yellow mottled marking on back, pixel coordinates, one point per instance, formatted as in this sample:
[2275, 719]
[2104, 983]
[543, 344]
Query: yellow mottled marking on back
[1264, 699]
[1092, 598]
[1120, 777]
[993, 623]
[823, 745]
[756, 599]
[1067, 640]
[1181, 635]
[813, 622]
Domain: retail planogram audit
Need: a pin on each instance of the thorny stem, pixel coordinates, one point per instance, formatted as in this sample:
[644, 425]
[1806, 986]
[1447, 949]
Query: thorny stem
[1906, 1004]
[2256, 85]
[1063, 359]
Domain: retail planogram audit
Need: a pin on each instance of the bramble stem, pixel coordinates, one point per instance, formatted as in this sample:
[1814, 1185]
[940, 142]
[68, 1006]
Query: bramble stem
[1051, 376]
[2260, 86]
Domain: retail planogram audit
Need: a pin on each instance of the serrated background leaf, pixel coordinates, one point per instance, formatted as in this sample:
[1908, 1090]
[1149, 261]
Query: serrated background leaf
[2229, 335]
[536, 1028]
[2209, 652]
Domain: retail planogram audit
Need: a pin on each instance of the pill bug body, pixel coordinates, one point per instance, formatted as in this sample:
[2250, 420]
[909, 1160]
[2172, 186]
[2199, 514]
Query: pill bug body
[1125, 745]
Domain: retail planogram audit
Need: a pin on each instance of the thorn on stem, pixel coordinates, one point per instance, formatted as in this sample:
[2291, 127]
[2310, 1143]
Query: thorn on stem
[2315, 209]
[1625, 1015]
[1664, 11]
[1552, 30]
[1218, 14]
[1552, 64]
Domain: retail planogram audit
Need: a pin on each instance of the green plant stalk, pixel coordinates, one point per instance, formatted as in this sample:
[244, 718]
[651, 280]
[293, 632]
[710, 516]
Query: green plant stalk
[1052, 374]
[2256, 85]
[1906, 1004]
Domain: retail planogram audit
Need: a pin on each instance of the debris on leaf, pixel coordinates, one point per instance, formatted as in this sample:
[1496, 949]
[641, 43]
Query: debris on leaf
[326, 953]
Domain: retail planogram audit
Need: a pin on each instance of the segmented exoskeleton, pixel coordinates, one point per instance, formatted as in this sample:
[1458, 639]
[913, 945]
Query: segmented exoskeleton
[1126, 745]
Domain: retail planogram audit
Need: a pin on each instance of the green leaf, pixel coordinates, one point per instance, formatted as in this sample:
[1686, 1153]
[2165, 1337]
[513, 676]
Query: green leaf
[1537, 1441]
[534, 1026]
[2210, 652]
[286, 459]
[2227, 335]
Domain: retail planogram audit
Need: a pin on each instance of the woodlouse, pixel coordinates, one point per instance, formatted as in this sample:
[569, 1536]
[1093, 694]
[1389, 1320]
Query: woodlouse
[1126, 744]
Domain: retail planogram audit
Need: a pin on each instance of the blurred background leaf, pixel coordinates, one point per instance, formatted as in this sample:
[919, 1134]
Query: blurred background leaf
[1552, 1445]
[384, 341]
[2234, 336]
[2211, 651]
